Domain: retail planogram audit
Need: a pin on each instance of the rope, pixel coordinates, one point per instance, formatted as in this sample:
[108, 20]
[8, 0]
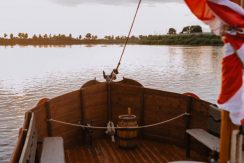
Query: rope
[127, 39]
[111, 130]
[115, 71]
[138, 127]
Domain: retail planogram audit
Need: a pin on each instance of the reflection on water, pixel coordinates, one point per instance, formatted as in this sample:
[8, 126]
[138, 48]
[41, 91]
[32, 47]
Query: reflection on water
[28, 74]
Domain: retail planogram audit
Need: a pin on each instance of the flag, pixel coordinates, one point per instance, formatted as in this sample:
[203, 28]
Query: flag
[226, 18]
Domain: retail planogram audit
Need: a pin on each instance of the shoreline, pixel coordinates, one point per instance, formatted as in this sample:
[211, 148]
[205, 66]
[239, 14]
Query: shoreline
[177, 39]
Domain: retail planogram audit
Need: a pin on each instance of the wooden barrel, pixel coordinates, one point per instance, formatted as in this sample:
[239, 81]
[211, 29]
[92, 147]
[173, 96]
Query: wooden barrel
[127, 137]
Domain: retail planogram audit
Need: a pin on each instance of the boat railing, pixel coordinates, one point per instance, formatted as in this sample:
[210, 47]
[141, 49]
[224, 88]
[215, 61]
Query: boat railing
[21, 139]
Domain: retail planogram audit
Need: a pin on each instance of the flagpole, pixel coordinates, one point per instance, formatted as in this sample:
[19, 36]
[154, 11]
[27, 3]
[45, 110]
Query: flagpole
[227, 126]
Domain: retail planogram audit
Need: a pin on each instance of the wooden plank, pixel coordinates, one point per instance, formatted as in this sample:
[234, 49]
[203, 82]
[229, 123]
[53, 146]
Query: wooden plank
[209, 140]
[95, 89]
[66, 108]
[29, 150]
[95, 107]
[53, 150]
[41, 121]
[226, 130]
[21, 139]
[124, 96]
[214, 120]
[48, 116]
[160, 106]
[81, 106]
[199, 107]
[65, 103]
[109, 102]
[146, 151]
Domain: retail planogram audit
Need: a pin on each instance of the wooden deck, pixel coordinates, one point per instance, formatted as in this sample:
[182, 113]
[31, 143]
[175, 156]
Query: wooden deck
[105, 151]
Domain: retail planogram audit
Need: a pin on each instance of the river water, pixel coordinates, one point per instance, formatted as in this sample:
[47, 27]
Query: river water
[29, 73]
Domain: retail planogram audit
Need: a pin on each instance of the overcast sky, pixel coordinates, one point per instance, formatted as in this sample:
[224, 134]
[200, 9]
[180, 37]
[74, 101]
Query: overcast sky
[99, 17]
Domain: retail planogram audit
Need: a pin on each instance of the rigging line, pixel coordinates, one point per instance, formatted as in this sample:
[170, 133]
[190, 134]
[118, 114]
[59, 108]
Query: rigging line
[137, 127]
[127, 39]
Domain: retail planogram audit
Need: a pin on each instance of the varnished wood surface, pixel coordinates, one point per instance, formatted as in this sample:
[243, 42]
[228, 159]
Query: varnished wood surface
[209, 140]
[104, 151]
[29, 150]
[52, 150]
[225, 142]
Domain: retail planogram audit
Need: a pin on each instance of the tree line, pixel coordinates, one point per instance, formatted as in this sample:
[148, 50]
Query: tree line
[187, 30]
[190, 35]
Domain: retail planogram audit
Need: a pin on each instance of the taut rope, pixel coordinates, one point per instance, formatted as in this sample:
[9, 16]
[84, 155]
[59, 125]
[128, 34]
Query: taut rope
[115, 71]
[139, 127]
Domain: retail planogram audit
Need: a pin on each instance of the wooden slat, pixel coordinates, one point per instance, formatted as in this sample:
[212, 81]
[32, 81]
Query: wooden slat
[214, 120]
[66, 108]
[147, 151]
[225, 142]
[29, 149]
[199, 107]
[95, 107]
[21, 139]
[41, 121]
[209, 140]
[124, 96]
[53, 150]
[160, 106]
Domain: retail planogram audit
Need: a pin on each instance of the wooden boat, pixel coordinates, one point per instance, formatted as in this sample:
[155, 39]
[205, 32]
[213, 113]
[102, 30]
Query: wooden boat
[97, 103]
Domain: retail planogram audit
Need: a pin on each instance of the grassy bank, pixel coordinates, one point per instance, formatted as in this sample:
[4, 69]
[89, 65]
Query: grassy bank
[177, 39]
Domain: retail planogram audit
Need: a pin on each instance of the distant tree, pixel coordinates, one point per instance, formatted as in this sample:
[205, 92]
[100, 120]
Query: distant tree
[11, 36]
[34, 37]
[94, 37]
[40, 36]
[123, 37]
[196, 29]
[109, 37]
[70, 35]
[171, 31]
[141, 37]
[186, 29]
[23, 35]
[88, 36]
[5, 35]
[45, 36]
[26, 35]
[20, 35]
[192, 29]
[133, 38]
[80, 37]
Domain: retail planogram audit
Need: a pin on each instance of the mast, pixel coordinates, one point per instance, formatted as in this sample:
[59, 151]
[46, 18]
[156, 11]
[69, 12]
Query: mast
[227, 127]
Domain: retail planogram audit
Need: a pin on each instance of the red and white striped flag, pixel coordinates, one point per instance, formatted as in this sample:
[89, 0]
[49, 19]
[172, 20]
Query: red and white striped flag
[227, 19]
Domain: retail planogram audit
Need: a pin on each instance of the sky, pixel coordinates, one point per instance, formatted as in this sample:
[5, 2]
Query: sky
[99, 17]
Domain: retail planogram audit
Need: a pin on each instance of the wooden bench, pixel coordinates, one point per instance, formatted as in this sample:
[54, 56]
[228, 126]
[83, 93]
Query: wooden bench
[208, 138]
[204, 137]
[53, 150]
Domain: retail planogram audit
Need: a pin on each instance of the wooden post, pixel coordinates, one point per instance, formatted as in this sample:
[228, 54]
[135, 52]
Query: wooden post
[225, 136]
[227, 126]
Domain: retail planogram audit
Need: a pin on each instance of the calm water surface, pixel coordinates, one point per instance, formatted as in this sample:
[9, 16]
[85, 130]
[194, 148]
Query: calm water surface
[28, 74]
